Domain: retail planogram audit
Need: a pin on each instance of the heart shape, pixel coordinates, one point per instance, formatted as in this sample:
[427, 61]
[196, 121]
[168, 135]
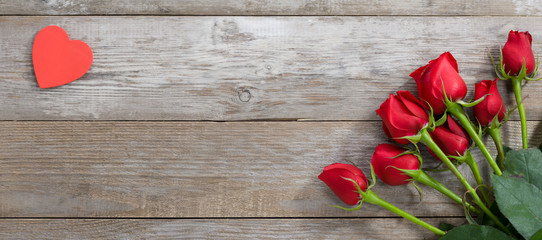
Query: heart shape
[57, 59]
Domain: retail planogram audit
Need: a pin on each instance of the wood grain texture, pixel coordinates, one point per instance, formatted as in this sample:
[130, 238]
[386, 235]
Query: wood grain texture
[227, 180]
[195, 169]
[271, 7]
[246, 68]
[218, 229]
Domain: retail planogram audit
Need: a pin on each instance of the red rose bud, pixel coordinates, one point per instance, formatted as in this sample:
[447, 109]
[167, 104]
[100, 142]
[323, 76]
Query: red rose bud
[386, 164]
[491, 106]
[517, 51]
[402, 115]
[431, 77]
[451, 138]
[336, 175]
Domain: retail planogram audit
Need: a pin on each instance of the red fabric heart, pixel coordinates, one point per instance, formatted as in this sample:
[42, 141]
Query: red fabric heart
[57, 59]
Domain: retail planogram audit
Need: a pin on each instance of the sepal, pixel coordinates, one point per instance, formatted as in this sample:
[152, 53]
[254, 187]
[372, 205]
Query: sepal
[531, 78]
[411, 152]
[495, 122]
[473, 103]
[420, 192]
[522, 72]
[357, 185]
[499, 67]
[361, 192]
[447, 100]
[480, 130]
[373, 178]
[358, 207]
[432, 122]
[441, 121]
[459, 159]
[413, 139]
[413, 173]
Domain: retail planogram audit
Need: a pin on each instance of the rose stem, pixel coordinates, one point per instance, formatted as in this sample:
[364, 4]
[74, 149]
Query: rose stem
[457, 111]
[495, 133]
[427, 140]
[424, 178]
[372, 198]
[476, 173]
[516, 85]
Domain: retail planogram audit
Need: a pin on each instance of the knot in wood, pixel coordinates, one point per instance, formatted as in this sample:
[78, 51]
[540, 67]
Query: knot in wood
[245, 95]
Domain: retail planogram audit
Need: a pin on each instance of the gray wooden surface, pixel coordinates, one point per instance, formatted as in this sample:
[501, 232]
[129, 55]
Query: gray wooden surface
[195, 169]
[246, 68]
[345, 228]
[214, 122]
[271, 7]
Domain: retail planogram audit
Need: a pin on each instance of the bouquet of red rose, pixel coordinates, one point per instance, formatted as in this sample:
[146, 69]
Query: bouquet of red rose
[509, 204]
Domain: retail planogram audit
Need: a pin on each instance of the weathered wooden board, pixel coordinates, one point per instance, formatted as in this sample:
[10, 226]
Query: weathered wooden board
[246, 68]
[350, 228]
[195, 169]
[228, 180]
[271, 7]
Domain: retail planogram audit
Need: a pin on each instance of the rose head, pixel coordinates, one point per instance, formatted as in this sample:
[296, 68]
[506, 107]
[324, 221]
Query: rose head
[431, 77]
[517, 51]
[451, 138]
[336, 175]
[385, 164]
[402, 115]
[491, 106]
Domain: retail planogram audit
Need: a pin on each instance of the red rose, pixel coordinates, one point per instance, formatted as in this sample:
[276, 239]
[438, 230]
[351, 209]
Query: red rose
[336, 175]
[402, 115]
[431, 77]
[517, 51]
[385, 162]
[451, 138]
[491, 106]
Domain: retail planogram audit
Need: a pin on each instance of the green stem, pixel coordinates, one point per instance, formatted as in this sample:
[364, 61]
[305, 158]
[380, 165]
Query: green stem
[424, 178]
[516, 85]
[495, 133]
[457, 111]
[469, 160]
[427, 140]
[372, 198]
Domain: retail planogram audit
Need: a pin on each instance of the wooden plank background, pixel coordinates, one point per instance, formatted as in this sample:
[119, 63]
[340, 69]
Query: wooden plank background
[212, 119]
[246, 68]
[342, 228]
[196, 169]
[271, 7]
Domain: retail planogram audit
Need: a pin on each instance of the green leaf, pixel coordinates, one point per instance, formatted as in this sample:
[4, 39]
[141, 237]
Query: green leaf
[537, 235]
[525, 163]
[520, 202]
[483, 219]
[475, 232]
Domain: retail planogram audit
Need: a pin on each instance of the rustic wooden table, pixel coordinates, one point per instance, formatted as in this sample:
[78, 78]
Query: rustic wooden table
[213, 118]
